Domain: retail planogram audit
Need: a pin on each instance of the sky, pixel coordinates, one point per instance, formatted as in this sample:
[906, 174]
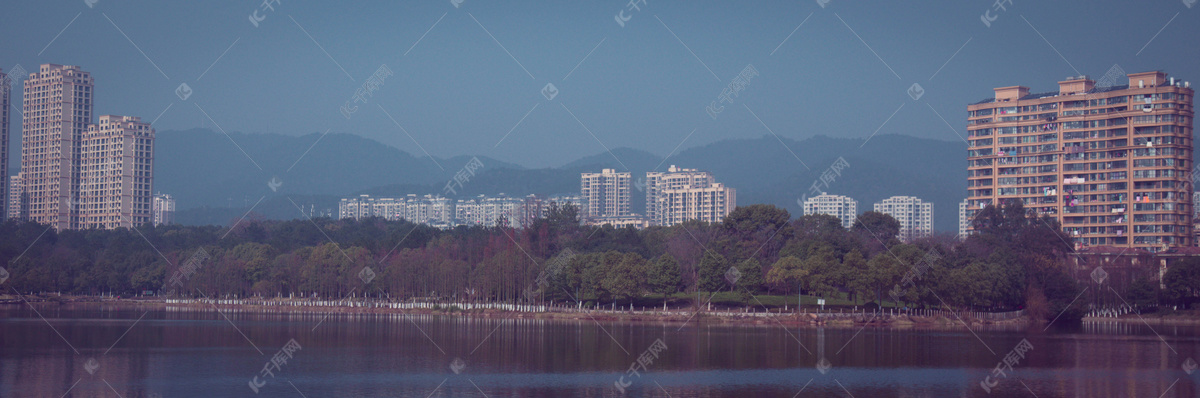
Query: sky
[471, 77]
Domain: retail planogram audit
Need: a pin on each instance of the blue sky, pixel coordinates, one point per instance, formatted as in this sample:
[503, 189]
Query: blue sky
[469, 79]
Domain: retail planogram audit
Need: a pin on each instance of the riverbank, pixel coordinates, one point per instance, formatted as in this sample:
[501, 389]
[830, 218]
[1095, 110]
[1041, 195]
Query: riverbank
[748, 316]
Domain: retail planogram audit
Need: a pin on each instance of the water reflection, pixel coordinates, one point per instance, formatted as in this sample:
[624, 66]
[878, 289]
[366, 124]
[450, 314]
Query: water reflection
[184, 352]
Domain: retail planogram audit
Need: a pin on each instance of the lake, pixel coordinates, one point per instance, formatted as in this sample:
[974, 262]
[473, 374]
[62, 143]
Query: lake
[109, 351]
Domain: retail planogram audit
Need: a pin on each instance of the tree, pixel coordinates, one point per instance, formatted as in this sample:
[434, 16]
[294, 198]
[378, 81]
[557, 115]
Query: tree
[664, 275]
[751, 275]
[712, 272]
[787, 273]
[624, 280]
[878, 226]
[1182, 281]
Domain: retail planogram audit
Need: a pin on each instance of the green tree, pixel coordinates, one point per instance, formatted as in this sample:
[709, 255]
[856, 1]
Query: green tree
[787, 273]
[878, 226]
[625, 280]
[664, 276]
[751, 275]
[1182, 280]
[712, 272]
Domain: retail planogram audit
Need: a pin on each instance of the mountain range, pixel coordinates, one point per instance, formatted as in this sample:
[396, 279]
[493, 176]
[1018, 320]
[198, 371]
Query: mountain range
[217, 178]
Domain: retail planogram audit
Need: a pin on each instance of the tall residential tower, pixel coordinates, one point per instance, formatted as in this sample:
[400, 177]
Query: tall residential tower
[1110, 161]
[57, 110]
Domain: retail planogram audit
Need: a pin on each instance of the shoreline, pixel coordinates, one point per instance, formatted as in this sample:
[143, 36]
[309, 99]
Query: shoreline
[671, 317]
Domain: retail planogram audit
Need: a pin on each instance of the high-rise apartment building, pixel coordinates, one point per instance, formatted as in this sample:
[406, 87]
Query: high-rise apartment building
[964, 219]
[16, 199]
[1110, 161]
[429, 209]
[680, 194]
[915, 215]
[117, 174]
[606, 193]
[842, 207]
[5, 91]
[164, 209]
[57, 109]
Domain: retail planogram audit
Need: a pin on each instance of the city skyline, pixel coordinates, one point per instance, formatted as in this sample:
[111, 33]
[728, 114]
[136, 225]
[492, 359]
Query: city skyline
[218, 68]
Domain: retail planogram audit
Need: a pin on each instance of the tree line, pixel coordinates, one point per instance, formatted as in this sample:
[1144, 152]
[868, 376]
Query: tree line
[1015, 261]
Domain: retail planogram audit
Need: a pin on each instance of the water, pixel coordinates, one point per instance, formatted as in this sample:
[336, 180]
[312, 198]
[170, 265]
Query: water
[178, 353]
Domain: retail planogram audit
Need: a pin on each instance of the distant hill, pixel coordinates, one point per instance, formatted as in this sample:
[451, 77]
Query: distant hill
[215, 183]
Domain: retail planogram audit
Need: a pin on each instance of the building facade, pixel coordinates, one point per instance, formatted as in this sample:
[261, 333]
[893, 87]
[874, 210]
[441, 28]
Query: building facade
[16, 199]
[490, 211]
[57, 108]
[1111, 161]
[428, 209]
[606, 193]
[678, 195]
[164, 209]
[964, 220]
[842, 207]
[915, 215]
[5, 91]
[116, 174]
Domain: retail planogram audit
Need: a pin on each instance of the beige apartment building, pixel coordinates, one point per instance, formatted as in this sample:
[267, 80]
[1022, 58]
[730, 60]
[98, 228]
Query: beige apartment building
[57, 109]
[16, 202]
[680, 194]
[117, 174]
[606, 193]
[5, 90]
[1110, 161]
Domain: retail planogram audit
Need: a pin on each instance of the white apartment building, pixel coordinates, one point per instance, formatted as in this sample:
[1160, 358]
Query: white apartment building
[680, 194]
[488, 211]
[427, 209]
[842, 207]
[915, 216]
[606, 193]
[164, 209]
